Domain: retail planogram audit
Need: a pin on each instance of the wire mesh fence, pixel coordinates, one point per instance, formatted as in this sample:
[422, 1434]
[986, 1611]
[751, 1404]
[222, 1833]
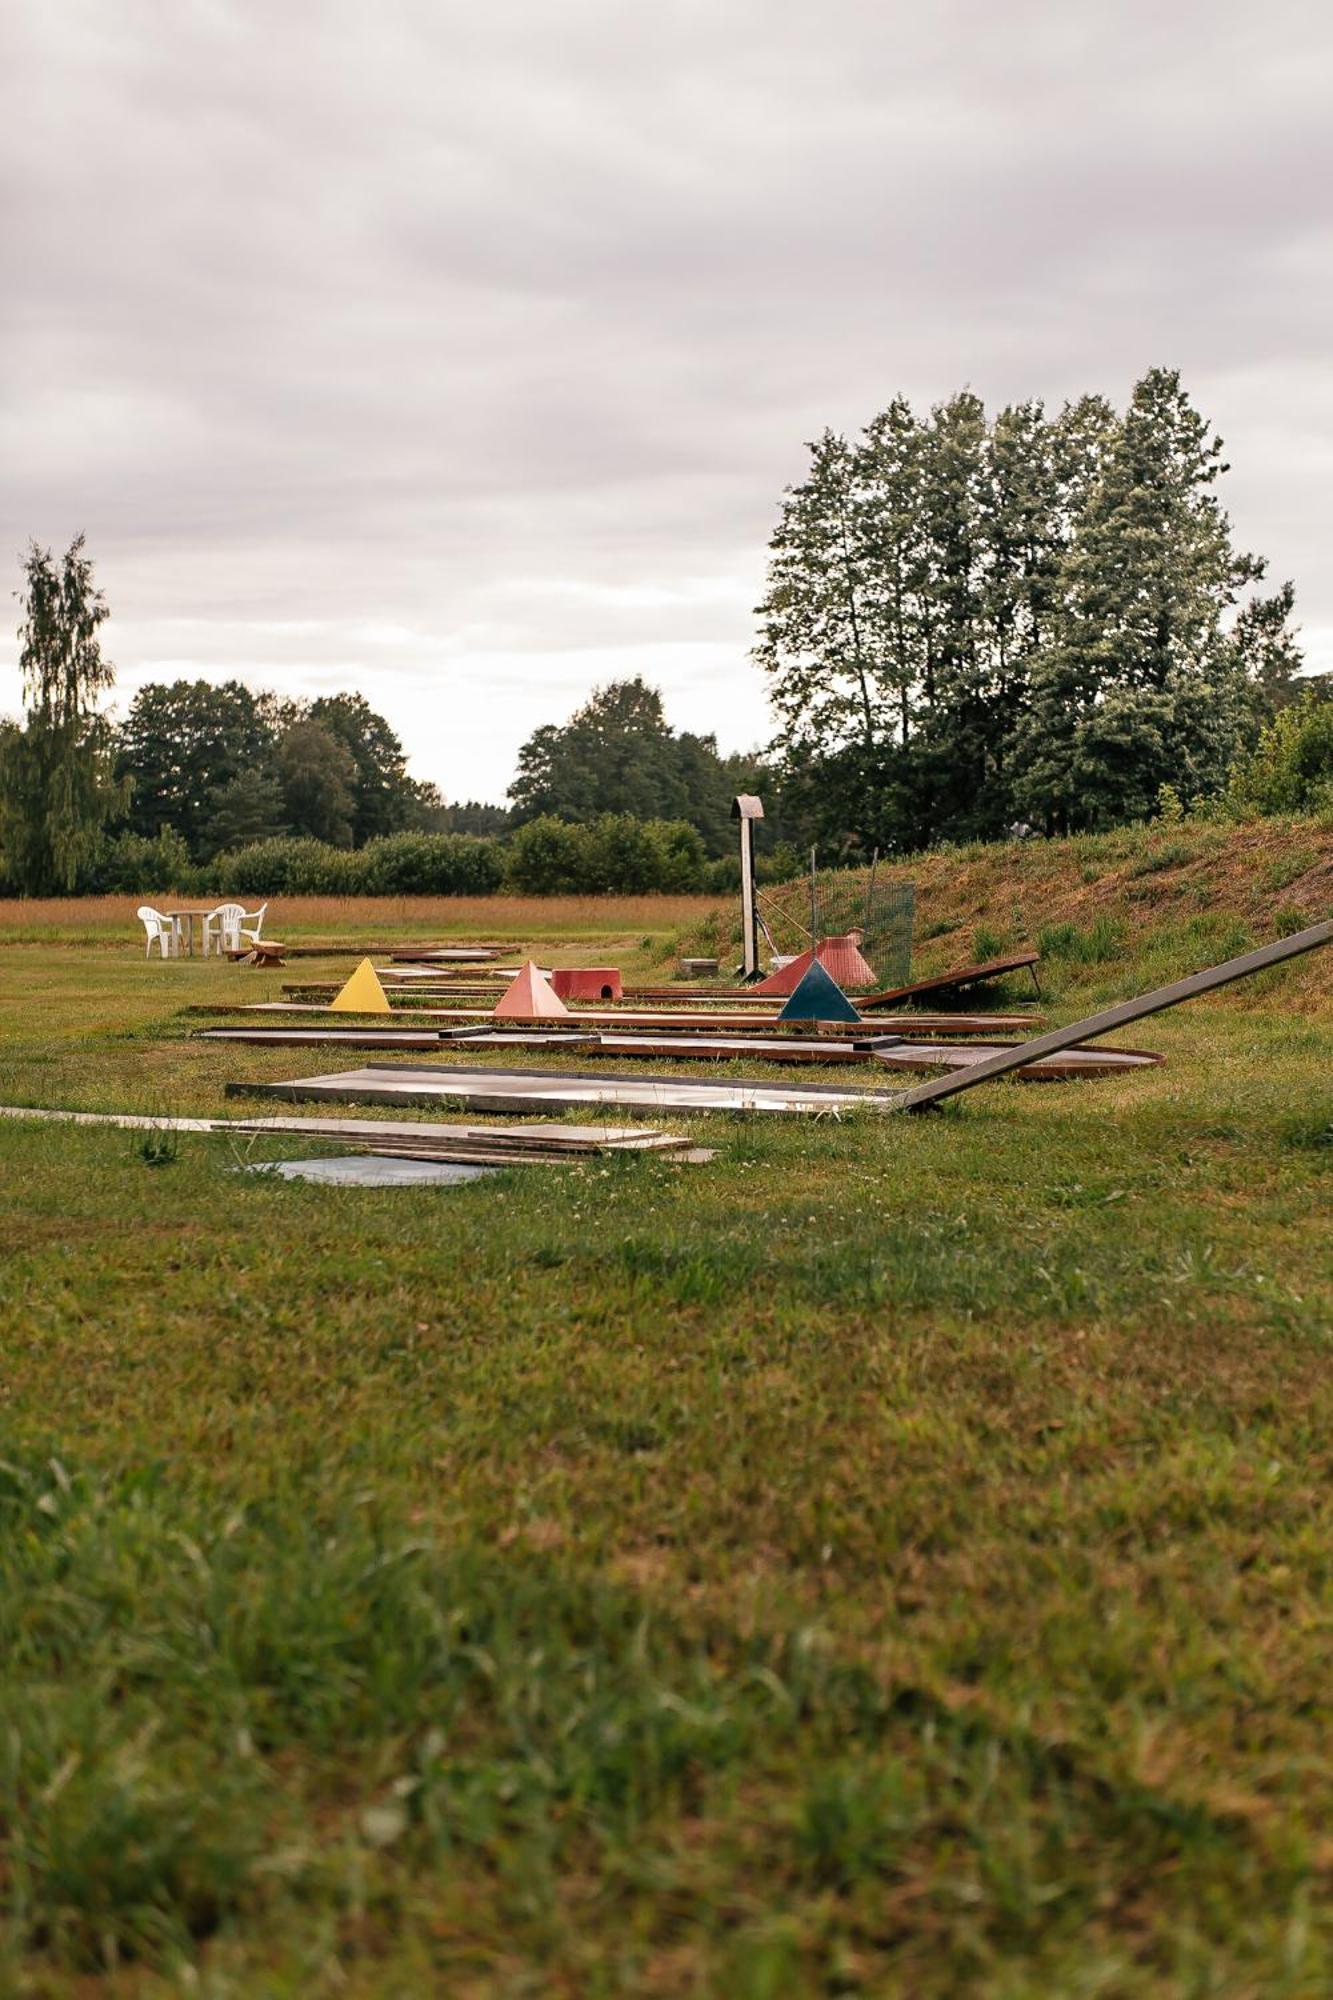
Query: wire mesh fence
[857, 904]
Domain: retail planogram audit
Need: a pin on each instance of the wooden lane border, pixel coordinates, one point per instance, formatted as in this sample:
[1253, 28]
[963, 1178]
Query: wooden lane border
[893, 1051]
[471, 1020]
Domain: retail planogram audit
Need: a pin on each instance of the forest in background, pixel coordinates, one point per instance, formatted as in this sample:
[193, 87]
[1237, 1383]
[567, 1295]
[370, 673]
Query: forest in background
[972, 627]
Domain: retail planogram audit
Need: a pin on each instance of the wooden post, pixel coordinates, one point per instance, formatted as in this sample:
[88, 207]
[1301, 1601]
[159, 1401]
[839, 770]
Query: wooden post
[746, 808]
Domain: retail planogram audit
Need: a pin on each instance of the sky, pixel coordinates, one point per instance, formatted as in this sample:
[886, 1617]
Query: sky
[460, 353]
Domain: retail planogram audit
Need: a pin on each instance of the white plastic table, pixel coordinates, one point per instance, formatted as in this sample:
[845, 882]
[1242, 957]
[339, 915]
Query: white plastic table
[184, 921]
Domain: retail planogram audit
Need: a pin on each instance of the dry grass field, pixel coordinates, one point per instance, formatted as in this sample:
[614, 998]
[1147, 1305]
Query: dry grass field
[566, 920]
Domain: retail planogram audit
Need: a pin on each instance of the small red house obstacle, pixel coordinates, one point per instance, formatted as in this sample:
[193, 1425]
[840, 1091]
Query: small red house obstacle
[840, 957]
[587, 982]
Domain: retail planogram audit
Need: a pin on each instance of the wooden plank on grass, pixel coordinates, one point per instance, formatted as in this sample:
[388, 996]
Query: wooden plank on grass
[1156, 1002]
[616, 1020]
[346, 1038]
[949, 982]
[550, 1138]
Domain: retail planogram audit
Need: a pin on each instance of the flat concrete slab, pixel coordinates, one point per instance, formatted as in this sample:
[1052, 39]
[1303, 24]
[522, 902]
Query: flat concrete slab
[369, 1170]
[548, 1090]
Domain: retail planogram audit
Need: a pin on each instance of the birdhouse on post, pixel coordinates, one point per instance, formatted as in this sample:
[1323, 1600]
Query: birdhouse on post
[747, 809]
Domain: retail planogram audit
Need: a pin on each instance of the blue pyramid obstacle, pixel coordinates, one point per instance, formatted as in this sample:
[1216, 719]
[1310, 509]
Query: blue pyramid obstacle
[818, 997]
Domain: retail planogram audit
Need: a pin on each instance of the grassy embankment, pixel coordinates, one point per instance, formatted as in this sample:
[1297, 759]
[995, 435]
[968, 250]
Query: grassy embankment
[893, 1559]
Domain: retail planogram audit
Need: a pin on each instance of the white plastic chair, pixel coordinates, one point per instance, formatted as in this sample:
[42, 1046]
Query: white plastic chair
[163, 931]
[224, 924]
[227, 923]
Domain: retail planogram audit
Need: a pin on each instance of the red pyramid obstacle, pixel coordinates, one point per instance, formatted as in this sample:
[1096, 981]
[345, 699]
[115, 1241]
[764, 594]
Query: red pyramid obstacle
[530, 998]
[840, 957]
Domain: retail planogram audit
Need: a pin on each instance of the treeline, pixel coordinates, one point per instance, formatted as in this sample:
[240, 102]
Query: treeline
[222, 788]
[618, 756]
[973, 626]
[221, 766]
[977, 623]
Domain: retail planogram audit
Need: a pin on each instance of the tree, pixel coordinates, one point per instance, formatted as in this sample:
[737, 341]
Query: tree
[1290, 769]
[473, 816]
[963, 722]
[247, 809]
[57, 788]
[613, 755]
[891, 536]
[968, 620]
[815, 640]
[318, 780]
[383, 796]
[183, 743]
[618, 755]
[1137, 679]
[1267, 652]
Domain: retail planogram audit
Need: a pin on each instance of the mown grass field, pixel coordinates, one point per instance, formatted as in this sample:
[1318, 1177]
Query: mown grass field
[894, 1559]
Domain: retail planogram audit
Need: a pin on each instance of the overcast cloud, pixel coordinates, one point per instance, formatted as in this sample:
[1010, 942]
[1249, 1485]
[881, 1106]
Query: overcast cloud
[460, 353]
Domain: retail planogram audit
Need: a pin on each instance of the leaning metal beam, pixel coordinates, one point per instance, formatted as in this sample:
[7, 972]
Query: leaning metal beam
[1050, 1044]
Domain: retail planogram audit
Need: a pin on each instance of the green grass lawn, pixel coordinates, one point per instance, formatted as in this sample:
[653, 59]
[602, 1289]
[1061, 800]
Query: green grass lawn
[894, 1559]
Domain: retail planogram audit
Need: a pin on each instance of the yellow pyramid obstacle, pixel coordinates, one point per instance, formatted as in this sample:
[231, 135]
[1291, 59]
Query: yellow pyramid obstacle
[362, 993]
[530, 999]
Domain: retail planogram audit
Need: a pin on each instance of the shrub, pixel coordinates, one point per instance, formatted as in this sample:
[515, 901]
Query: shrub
[1291, 769]
[547, 857]
[287, 867]
[612, 855]
[132, 865]
[430, 864]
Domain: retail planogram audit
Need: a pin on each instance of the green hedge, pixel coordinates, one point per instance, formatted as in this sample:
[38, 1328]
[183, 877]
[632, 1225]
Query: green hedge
[613, 855]
[399, 864]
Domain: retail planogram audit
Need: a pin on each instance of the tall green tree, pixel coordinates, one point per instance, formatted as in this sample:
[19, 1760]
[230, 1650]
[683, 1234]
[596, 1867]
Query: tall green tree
[246, 809]
[893, 569]
[1268, 652]
[1137, 686]
[618, 755]
[816, 632]
[317, 777]
[183, 743]
[964, 720]
[57, 786]
[382, 792]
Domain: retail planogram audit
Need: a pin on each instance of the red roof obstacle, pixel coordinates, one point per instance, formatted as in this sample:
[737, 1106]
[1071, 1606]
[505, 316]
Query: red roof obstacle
[840, 957]
[529, 998]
